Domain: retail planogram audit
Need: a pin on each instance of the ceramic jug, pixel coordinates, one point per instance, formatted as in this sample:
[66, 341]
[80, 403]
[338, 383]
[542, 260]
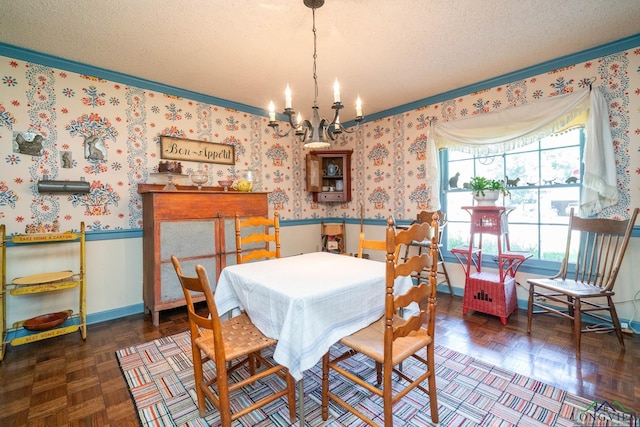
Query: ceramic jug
[332, 169]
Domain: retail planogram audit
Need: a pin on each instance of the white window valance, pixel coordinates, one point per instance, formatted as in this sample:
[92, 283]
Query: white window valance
[502, 131]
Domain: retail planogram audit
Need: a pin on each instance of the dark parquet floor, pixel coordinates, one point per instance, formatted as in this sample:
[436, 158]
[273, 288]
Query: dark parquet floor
[64, 381]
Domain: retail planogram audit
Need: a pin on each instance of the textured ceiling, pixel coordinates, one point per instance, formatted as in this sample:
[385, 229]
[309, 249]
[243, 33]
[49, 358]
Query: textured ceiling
[390, 52]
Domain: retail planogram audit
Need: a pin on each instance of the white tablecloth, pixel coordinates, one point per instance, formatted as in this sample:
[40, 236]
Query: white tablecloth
[307, 302]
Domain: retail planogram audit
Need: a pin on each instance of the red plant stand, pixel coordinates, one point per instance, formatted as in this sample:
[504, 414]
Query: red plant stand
[489, 292]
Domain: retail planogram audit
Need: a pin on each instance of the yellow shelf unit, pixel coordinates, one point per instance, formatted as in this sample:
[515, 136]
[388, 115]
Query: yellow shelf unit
[43, 282]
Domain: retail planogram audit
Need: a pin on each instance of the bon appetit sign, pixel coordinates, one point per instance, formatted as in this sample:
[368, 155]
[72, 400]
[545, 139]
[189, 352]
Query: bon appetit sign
[196, 151]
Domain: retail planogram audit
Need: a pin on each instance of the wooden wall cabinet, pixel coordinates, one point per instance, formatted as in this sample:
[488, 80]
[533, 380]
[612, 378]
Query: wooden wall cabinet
[329, 175]
[195, 226]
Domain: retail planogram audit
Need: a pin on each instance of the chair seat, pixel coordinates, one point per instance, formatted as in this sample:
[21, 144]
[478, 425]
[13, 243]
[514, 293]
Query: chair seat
[370, 342]
[240, 337]
[571, 287]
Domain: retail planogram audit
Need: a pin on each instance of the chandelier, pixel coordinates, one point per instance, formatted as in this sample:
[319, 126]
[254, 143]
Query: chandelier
[317, 132]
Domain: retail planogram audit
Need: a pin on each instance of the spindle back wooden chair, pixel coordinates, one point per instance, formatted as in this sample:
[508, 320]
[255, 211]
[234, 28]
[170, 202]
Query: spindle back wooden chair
[593, 255]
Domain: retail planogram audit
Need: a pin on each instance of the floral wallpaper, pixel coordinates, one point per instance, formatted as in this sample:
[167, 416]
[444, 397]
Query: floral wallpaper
[62, 125]
[394, 147]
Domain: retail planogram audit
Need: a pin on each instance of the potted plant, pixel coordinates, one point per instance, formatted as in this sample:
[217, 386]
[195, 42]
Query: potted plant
[487, 191]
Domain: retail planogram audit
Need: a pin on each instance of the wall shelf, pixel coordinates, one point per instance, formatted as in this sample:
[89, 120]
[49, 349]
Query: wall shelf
[49, 186]
[16, 334]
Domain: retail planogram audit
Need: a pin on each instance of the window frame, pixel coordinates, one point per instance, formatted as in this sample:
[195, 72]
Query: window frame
[533, 265]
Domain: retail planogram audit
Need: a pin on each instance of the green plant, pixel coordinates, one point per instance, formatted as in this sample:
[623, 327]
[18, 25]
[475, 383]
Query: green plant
[480, 184]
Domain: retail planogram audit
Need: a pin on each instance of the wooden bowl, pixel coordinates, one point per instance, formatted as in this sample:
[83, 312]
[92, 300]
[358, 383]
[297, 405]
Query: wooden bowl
[46, 321]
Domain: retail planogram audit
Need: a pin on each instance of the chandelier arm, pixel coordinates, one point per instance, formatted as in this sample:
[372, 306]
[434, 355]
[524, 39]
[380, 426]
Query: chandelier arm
[290, 113]
[345, 130]
[335, 127]
[303, 130]
[297, 128]
[355, 129]
[276, 130]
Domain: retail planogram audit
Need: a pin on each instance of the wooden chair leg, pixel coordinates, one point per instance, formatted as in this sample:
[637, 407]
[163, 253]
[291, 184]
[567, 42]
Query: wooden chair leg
[387, 397]
[252, 364]
[615, 321]
[199, 380]
[530, 307]
[433, 397]
[325, 386]
[577, 324]
[444, 270]
[571, 304]
[223, 399]
[291, 396]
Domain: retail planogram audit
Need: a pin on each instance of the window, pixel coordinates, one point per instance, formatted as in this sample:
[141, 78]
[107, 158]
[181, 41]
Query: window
[544, 181]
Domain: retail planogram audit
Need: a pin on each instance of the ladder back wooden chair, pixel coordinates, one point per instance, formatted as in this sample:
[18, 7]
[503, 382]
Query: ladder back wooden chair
[425, 245]
[594, 252]
[257, 238]
[230, 345]
[374, 245]
[392, 340]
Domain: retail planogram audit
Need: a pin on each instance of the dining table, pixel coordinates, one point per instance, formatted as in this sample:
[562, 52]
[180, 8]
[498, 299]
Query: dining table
[307, 302]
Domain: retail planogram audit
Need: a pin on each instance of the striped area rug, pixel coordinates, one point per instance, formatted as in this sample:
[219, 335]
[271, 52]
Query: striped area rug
[470, 393]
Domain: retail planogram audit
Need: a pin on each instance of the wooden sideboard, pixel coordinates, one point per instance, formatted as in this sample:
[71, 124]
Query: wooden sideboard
[195, 226]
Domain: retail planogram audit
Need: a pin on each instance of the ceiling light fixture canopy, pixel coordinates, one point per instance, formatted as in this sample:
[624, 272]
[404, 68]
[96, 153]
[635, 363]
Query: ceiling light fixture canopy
[321, 130]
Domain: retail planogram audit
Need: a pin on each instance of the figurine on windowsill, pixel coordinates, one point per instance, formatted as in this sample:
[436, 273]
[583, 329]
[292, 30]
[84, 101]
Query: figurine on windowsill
[453, 181]
[512, 182]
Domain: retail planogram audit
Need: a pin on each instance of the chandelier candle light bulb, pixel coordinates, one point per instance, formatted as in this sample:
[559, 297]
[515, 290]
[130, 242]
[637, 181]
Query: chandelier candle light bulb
[336, 91]
[272, 112]
[287, 97]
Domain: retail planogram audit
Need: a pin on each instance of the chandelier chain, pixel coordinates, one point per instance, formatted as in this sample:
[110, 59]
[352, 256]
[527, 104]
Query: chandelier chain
[315, 56]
